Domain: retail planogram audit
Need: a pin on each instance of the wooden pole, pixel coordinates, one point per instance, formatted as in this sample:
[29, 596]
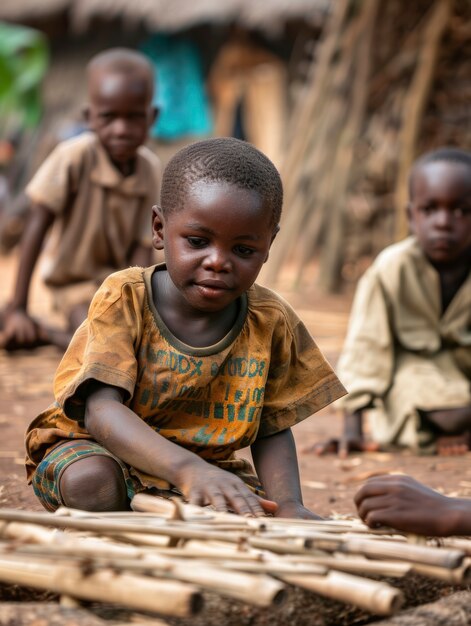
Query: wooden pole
[414, 106]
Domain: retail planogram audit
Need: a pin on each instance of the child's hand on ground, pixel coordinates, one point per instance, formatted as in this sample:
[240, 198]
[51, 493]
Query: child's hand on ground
[342, 446]
[405, 504]
[351, 440]
[295, 510]
[207, 484]
[19, 330]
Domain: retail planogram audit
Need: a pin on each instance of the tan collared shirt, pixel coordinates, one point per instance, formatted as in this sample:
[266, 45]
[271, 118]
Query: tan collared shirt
[397, 312]
[100, 214]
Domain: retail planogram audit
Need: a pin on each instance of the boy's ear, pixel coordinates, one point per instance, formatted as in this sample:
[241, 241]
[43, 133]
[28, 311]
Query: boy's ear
[276, 230]
[157, 228]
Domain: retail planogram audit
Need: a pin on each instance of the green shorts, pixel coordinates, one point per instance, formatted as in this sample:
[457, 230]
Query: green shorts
[46, 478]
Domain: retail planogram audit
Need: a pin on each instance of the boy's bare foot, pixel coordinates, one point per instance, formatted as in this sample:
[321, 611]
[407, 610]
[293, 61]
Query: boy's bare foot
[453, 445]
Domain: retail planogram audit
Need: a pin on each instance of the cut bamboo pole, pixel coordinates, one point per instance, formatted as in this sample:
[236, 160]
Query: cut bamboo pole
[109, 527]
[154, 504]
[456, 542]
[457, 576]
[376, 597]
[378, 549]
[136, 592]
[358, 565]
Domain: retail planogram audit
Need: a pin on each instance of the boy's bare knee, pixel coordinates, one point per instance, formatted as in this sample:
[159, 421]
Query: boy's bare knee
[94, 484]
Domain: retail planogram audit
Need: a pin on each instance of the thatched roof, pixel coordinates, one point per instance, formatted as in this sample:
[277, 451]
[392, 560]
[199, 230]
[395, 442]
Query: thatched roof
[169, 15]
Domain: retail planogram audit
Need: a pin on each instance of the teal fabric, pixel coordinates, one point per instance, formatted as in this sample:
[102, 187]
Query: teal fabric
[180, 88]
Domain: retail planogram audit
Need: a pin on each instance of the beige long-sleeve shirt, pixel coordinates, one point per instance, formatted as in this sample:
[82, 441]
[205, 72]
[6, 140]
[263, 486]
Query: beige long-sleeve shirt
[397, 312]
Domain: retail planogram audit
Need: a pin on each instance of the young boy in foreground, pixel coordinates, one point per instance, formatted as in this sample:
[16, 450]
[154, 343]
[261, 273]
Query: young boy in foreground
[180, 365]
[407, 358]
[95, 191]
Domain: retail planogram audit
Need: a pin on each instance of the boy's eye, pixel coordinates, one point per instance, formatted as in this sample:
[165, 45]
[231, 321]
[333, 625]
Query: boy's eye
[243, 250]
[461, 211]
[197, 242]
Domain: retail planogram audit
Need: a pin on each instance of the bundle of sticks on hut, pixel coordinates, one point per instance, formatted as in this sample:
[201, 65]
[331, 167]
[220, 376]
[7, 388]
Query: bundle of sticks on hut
[164, 555]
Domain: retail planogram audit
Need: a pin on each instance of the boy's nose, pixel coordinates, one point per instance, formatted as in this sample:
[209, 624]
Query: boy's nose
[217, 261]
[120, 126]
[443, 218]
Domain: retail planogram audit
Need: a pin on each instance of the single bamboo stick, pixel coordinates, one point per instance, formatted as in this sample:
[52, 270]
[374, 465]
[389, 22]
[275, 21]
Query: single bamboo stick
[143, 502]
[393, 550]
[52, 614]
[375, 597]
[153, 504]
[458, 543]
[140, 539]
[109, 527]
[459, 576]
[136, 592]
[279, 546]
[218, 553]
[359, 565]
[213, 550]
[273, 567]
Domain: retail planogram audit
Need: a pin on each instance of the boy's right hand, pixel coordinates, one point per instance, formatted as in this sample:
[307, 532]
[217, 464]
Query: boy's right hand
[408, 505]
[207, 484]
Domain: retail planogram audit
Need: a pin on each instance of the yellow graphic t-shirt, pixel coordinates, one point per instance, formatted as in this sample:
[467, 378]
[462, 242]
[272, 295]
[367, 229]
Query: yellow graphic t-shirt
[266, 375]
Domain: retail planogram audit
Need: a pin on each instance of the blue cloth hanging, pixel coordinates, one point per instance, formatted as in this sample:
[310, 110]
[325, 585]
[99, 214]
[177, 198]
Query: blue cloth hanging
[180, 93]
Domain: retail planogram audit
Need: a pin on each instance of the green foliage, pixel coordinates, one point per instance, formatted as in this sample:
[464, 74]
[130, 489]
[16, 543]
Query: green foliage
[23, 62]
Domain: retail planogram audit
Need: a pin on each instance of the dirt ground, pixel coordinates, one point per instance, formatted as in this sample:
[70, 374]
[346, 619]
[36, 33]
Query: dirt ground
[328, 483]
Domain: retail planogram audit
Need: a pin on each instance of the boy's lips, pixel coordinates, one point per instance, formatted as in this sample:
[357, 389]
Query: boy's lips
[212, 288]
[213, 284]
[122, 146]
[442, 242]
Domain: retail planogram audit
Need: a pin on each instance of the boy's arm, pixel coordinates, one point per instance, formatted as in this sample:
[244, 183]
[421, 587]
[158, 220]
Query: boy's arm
[124, 434]
[19, 327]
[410, 506]
[276, 465]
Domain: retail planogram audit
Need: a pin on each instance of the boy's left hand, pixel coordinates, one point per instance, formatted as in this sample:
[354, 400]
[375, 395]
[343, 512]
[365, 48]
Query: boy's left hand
[295, 510]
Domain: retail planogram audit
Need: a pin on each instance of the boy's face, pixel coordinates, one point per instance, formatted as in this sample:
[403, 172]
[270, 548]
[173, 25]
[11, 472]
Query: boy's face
[120, 112]
[215, 245]
[440, 210]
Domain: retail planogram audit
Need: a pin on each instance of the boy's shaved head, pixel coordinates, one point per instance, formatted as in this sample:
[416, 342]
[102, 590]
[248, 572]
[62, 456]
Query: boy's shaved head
[222, 159]
[440, 155]
[123, 61]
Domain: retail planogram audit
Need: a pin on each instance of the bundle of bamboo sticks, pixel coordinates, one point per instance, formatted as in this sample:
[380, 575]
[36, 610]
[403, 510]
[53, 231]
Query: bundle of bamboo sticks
[164, 554]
